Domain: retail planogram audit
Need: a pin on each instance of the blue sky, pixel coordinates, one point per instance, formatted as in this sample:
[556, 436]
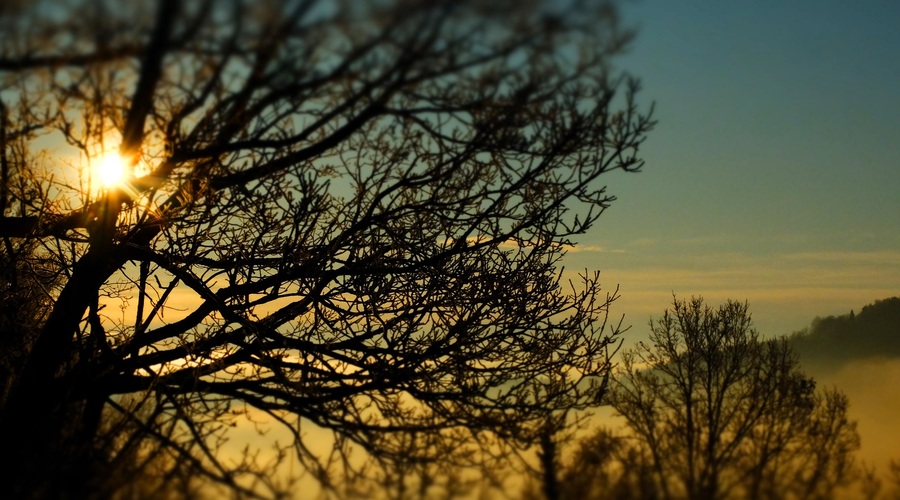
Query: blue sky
[774, 173]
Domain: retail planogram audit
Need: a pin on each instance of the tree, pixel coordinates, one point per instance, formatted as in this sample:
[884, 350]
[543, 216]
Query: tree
[605, 464]
[717, 412]
[337, 214]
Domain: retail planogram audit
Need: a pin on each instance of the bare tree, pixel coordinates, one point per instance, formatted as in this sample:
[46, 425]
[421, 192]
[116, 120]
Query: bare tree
[718, 412]
[338, 214]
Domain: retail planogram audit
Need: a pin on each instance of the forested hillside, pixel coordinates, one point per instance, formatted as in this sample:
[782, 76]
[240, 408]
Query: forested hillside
[832, 341]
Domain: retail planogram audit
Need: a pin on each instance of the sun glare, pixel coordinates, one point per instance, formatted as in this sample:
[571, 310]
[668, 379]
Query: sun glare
[111, 170]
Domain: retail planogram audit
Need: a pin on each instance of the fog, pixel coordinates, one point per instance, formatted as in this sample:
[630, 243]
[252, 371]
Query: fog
[871, 384]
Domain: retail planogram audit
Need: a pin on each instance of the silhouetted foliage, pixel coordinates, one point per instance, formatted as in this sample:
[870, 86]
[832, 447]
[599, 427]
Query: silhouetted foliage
[603, 464]
[340, 215]
[25, 299]
[713, 411]
[830, 342]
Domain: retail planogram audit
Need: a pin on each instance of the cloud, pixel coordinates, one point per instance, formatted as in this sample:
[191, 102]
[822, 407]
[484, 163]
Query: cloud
[591, 249]
[786, 291]
[881, 258]
[643, 242]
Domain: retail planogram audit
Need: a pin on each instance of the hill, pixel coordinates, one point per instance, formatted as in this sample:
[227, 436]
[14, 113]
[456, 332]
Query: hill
[831, 342]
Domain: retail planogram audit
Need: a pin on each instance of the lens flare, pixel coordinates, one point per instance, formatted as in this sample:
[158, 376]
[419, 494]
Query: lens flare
[111, 170]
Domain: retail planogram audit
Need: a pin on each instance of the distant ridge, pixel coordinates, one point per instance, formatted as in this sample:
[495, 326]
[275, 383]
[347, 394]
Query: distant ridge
[830, 342]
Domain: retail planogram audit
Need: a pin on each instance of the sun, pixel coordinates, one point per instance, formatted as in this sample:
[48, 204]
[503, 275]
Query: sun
[111, 170]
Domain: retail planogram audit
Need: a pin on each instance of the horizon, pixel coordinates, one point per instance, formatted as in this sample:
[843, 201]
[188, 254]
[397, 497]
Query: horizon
[774, 171]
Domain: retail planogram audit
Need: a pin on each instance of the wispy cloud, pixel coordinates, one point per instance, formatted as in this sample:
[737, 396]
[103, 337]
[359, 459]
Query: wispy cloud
[786, 291]
[591, 249]
[883, 257]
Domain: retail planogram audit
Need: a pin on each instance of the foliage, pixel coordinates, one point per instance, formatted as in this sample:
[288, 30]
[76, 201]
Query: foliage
[342, 215]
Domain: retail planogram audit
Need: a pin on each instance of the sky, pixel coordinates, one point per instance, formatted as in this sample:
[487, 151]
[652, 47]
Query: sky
[773, 175]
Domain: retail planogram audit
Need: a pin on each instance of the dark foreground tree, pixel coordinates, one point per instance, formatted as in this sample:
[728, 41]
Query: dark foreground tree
[344, 215]
[716, 412]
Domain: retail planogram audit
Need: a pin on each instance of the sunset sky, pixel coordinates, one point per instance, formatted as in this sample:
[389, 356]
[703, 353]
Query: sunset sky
[774, 173]
[772, 177]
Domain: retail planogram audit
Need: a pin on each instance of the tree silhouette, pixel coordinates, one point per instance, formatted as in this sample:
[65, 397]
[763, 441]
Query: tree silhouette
[606, 464]
[342, 215]
[717, 412]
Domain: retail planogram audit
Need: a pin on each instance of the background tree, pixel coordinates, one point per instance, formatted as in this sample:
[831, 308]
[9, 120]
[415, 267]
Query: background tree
[336, 214]
[602, 464]
[606, 464]
[717, 412]
[831, 342]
